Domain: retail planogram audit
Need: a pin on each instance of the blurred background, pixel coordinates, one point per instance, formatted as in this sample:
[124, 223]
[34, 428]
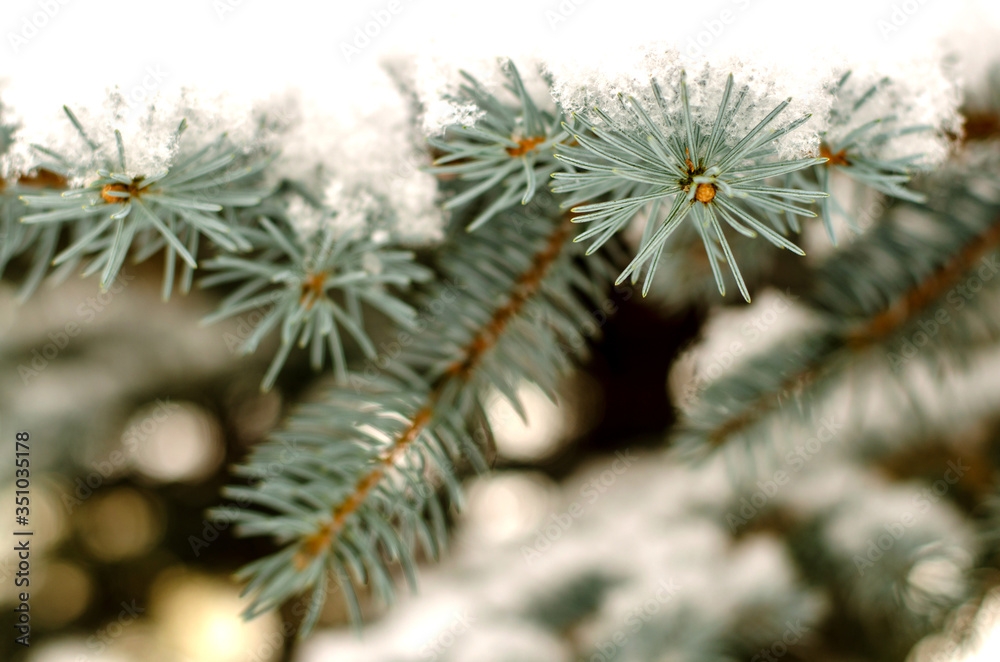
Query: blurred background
[135, 421]
[587, 542]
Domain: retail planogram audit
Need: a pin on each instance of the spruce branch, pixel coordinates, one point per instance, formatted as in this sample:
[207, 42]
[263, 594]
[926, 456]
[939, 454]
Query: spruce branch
[869, 300]
[856, 149]
[17, 239]
[888, 592]
[314, 289]
[357, 485]
[170, 209]
[360, 494]
[689, 169]
[685, 277]
[510, 146]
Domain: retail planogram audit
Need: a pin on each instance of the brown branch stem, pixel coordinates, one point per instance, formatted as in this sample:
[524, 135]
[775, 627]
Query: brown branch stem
[526, 286]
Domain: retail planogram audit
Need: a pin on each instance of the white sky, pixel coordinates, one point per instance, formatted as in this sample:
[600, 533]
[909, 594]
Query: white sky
[254, 46]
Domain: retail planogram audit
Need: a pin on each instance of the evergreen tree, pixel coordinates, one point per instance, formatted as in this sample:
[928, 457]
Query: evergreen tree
[535, 194]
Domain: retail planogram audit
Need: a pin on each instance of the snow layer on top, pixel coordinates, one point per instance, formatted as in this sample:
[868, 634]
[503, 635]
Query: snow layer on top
[363, 158]
[580, 84]
[149, 132]
[437, 79]
[914, 92]
[918, 92]
[581, 81]
[362, 153]
[974, 49]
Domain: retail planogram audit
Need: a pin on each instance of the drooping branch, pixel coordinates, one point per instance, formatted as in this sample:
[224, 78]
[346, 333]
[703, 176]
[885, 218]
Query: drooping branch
[525, 287]
[912, 304]
[815, 358]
